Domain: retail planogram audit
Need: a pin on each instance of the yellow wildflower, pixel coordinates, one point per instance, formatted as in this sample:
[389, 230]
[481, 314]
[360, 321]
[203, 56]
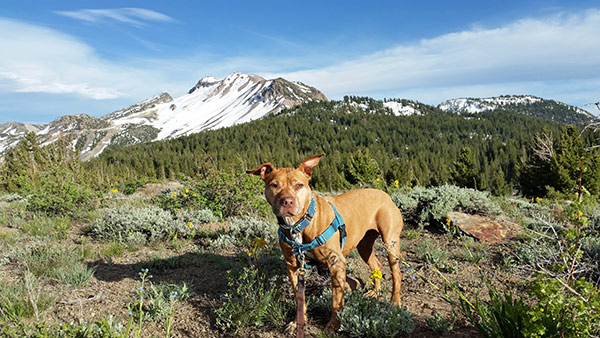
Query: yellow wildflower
[375, 276]
[259, 242]
[174, 193]
[114, 191]
[579, 213]
[194, 195]
[190, 224]
[187, 190]
[377, 179]
[396, 183]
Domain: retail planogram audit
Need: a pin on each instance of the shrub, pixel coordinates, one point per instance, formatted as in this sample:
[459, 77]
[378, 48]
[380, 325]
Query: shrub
[252, 301]
[131, 186]
[60, 197]
[440, 324]
[24, 299]
[47, 226]
[189, 220]
[105, 328]
[365, 316]
[245, 229]
[61, 263]
[226, 195]
[368, 317]
[13, 214]
[13, 197]
[157, 299]
[562, 312]
[591, 245]
[428, 206]
[501, 316]
[149, 224]
[430, 253]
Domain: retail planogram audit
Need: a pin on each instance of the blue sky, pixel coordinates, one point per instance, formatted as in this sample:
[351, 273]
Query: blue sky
[94, 57]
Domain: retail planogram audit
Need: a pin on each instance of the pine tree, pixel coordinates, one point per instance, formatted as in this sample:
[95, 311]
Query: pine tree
[361, 168]
[466, 170]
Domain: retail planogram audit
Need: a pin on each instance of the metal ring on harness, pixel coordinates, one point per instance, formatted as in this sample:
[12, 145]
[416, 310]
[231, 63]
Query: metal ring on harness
[299, 249]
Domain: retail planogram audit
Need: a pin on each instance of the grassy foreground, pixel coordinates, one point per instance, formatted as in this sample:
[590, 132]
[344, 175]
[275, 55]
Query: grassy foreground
[193, 259]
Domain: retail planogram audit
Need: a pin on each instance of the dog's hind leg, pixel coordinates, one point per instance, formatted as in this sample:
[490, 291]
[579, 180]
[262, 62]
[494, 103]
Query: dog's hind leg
[365, 249]
[392, 246]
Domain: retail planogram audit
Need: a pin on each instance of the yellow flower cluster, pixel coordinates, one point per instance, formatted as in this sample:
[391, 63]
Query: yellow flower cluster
[114, 191]
[375, 276]
[257, 243]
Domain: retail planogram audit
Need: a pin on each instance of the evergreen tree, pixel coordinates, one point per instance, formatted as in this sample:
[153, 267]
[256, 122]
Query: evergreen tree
[466, 170]
[361, 168]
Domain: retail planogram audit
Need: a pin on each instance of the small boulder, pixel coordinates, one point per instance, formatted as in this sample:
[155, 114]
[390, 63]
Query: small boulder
[485, 228]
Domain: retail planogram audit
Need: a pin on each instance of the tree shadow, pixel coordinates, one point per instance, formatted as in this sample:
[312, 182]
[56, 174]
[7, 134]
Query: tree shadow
[204, 273]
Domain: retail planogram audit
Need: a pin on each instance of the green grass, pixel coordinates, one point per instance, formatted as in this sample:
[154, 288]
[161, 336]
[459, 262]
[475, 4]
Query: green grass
[24, 299]
[43, 226]
[64, 264]
[473, 251]
[113, 249]
[430, 253]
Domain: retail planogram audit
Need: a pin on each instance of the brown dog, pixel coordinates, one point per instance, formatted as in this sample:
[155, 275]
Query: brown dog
[366, 213]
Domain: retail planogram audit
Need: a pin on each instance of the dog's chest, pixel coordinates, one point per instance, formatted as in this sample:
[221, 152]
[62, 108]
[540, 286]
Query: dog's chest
[297, 237]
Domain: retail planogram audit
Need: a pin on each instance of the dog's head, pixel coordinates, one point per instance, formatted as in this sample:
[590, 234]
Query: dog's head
[287, 189]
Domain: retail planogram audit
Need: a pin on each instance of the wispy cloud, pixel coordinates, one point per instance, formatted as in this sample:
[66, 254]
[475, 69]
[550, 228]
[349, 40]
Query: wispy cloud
[42, 60]
[554, 56]
[133, 16]
[556, 48]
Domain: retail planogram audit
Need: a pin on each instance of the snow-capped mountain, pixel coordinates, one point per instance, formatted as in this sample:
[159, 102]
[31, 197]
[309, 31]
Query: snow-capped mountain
[528, 105]
[211, 104]
[398, 107]
[12, 132]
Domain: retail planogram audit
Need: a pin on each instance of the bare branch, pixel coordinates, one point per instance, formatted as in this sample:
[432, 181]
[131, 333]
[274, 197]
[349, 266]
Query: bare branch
[543, 146]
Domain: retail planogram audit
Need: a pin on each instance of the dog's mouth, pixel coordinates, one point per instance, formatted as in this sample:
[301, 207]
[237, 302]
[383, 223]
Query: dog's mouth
[289, 211]
[283, 212]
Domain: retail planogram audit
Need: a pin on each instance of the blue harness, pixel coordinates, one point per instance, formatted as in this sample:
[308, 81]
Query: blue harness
[297, 248]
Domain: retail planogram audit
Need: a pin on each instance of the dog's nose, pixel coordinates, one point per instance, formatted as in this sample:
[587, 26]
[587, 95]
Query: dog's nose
[287, 202]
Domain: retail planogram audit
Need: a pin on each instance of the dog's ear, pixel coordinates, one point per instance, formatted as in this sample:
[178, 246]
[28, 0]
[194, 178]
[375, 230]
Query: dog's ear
[263, 170]
[307, 165]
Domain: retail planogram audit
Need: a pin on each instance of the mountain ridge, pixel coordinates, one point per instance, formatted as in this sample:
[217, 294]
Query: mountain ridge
[211, 104]
[214, 103]
[525, 104]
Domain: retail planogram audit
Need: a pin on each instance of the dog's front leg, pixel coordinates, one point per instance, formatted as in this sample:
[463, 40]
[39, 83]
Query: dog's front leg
[292, 268]
[337, 268]
[291, 263]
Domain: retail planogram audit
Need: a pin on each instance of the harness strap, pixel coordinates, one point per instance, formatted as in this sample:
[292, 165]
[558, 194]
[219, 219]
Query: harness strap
[337, 224]
[305, 220]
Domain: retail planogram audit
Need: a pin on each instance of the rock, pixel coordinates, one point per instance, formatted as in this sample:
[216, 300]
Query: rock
[485, 228]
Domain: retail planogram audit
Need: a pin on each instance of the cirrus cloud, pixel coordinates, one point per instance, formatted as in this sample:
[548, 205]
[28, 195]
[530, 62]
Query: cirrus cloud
[133, 16]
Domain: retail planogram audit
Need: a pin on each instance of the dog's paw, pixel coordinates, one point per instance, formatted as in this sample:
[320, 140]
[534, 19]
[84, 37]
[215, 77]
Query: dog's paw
[332, 326]
[371, 293]
[290, 329]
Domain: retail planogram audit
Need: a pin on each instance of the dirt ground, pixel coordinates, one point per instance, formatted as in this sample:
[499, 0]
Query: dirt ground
[112, 286]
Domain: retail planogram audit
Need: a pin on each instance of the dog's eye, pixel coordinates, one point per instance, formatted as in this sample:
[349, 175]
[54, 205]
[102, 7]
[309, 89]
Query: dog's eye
[274, 185]
[300, 185]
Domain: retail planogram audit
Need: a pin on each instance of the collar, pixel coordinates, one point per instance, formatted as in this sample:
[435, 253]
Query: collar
[305, 220]
[337, 225]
